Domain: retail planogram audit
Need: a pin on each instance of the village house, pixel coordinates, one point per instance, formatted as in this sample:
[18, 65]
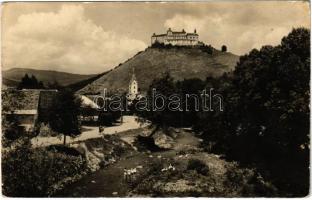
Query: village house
[31, 106]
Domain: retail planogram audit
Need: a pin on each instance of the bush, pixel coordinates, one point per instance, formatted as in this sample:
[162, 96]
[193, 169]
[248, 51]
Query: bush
[247, 182]
[146, 143]
[223, 48]
[30, 172]
[207, 49]
[45, 130]
[199, 166]
[108, 118]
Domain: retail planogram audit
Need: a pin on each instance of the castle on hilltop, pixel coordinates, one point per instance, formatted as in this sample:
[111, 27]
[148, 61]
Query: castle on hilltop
[176, 38]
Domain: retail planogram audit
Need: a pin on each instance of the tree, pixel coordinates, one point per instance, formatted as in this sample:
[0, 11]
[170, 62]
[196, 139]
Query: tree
[30, 83]
[33, 81]
[266, 118]
[54, 85]
[207, 48]
[275, 82]
[270, 99]
[223, 48]
[64, 114]
[163, 86]
[189, 87]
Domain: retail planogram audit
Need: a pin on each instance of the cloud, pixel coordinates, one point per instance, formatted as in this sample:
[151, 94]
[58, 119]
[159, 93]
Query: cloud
[243, 26]
[65, 40]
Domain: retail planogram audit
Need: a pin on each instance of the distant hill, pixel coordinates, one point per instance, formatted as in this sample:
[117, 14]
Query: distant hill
[9, 83]
[182, 63]
[13, 76]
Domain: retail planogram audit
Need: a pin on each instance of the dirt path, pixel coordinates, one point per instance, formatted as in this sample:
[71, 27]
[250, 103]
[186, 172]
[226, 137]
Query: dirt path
[88, 132]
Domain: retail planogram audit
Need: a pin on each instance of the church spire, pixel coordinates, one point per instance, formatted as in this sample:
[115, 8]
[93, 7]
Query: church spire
[133, 78]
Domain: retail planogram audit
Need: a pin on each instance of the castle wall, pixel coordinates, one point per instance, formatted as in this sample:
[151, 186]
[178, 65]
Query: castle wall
[177, 38]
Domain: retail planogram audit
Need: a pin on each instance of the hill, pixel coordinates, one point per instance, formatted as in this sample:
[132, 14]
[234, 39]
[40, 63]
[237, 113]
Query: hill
[13, 76]
[81, 84]
[181, 62]
[9, 83]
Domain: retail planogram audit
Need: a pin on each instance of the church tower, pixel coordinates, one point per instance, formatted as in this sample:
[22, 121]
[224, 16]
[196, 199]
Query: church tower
[133, 86]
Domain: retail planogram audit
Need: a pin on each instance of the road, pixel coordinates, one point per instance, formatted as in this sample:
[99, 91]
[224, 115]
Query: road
[88, 132]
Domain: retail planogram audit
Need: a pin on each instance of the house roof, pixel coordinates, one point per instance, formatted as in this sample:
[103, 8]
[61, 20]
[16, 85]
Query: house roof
[87, 102]
[20, 99]
[46, 98]
[25, 101]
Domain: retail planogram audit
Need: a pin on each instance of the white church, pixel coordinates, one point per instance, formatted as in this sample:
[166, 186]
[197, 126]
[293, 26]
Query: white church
[133, 92]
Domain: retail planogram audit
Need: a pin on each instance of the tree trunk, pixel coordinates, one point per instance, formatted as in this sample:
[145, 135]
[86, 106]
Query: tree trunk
[64, 139]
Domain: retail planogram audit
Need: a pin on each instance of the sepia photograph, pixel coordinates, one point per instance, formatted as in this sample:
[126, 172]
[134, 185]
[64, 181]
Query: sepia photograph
[155, 99]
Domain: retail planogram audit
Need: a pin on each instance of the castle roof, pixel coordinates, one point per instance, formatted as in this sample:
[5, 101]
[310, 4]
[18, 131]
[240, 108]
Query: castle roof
[192, 34]
[175, 33]
[159, 35]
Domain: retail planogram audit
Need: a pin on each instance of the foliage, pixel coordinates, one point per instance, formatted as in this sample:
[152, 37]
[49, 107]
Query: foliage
[198, 165]
[30, 83]
[270, 96]
[164, 86]
[186, 115]
[54, 85]
[45, 130]
[223, 48]
[207, 48]
[161, 45]
[11, 131]
[108, 118]
[64, 114]
[266, 117]
[30, 172]
[248, 182]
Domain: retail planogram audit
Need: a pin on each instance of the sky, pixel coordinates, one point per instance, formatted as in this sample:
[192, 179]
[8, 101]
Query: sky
[88, 38]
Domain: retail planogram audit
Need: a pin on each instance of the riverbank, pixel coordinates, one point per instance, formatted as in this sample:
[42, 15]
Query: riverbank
[182, 170]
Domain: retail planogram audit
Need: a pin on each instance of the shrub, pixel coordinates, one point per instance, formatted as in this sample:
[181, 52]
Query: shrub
[45, 130]
[207, 49]
[199, 166]
[248, 182]
[36, 172]
[223, 48]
